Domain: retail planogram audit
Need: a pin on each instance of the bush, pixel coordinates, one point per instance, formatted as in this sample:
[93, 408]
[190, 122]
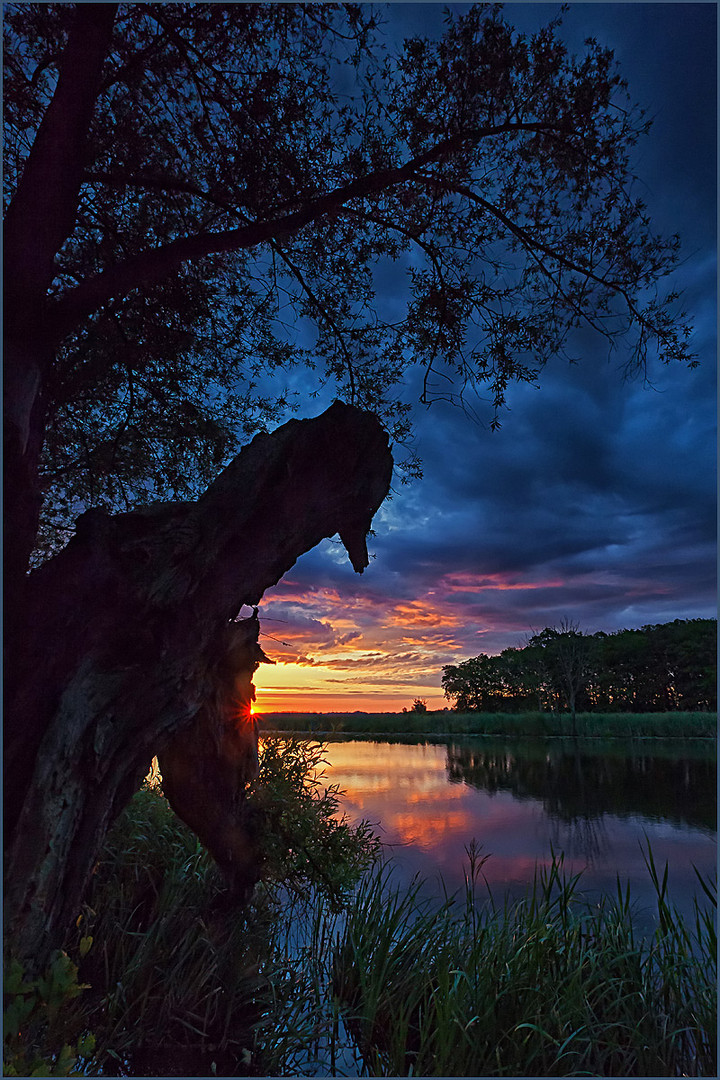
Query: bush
[39, 1018]
[181, 984]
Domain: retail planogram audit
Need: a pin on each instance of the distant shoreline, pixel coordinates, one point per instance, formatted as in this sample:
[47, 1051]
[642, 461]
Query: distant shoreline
[679, 725]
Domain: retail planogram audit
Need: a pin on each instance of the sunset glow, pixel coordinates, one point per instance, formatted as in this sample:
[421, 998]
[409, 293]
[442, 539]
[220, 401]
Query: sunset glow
[346, 653]
[374, 644]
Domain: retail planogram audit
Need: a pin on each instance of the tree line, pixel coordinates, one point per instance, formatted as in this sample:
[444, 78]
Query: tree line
[657, 668]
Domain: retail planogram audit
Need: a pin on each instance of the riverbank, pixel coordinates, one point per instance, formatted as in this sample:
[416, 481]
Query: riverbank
[352, 977]
[680, 725]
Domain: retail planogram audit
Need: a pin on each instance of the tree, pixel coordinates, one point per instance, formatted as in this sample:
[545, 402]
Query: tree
[565, 654]
[665, 667]
[466, 682]
[183, 180]
[200, 177]
[131, 648]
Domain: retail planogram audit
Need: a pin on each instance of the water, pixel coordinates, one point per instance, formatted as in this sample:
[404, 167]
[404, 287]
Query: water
[520, 800]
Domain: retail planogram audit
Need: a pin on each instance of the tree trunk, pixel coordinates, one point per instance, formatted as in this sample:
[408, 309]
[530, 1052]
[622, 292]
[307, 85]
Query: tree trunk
[125, 640]
[206, 766]
[40, 217]
[24, 359]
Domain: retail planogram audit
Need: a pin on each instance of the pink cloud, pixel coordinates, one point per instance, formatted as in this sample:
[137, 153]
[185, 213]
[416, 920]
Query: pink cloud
[458, 581]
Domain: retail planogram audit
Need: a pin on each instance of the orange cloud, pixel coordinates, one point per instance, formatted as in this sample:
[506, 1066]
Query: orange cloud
[383, 651]
[417, 613]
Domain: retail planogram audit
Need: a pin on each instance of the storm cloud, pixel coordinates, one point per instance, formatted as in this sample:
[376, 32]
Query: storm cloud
[595, 501]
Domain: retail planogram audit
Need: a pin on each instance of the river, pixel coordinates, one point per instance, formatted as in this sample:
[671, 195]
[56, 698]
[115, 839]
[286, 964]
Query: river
[520, 800]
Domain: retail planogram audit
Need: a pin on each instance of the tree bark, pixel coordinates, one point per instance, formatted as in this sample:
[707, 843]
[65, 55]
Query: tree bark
[39, 219]
[205, 767]
[124, 643]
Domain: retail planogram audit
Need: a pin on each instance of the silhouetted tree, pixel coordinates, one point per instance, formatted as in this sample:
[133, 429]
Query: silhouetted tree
[181, 181]
[656, 668]
[565, 654]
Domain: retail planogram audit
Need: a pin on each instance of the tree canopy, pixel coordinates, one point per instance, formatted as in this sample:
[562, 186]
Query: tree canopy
[656, 668]
[200, 197]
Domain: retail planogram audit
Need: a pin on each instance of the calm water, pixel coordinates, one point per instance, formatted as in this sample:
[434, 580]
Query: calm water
[520, 800]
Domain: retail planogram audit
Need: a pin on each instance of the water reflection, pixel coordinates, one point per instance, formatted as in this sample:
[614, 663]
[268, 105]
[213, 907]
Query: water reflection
[578, 785]
[522, 800]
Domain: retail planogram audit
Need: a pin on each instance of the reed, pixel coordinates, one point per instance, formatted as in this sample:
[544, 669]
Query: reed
[550, 986]
[683, 725]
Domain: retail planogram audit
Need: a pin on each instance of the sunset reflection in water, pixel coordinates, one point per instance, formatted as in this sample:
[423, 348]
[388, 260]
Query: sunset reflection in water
[405, 789]
[427, 819]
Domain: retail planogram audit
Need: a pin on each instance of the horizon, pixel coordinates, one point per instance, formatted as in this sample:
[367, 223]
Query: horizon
[596, 501]
[288, 700]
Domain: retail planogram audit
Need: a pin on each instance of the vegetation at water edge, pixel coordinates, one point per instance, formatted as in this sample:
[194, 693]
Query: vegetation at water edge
[657, 668]
[333, 969]
[683, 725]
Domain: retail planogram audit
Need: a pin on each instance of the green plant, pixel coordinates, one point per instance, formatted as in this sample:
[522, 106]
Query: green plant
[183, 984]
[40, 1036]
[550, 986]
[305, 840]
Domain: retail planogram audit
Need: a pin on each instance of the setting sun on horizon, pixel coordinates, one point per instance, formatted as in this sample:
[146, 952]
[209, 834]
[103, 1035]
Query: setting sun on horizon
[291, 687]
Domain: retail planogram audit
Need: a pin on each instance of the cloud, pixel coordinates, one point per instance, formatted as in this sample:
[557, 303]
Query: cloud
[596, 499]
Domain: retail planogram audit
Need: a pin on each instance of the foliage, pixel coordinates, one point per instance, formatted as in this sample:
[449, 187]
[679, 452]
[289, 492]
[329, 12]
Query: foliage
[563, 657]
[181, 984]
[39, 1017]
[305, 842]
[551, 986]
[251, 174]
[659, 667]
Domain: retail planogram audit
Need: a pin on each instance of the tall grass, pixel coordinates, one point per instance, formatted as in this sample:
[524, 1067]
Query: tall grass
[332, 969]
[551, 986]
[593, 725]
[181, 983]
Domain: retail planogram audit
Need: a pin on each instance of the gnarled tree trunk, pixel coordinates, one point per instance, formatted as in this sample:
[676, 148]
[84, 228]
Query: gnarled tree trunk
[205, 767]
[127, 644]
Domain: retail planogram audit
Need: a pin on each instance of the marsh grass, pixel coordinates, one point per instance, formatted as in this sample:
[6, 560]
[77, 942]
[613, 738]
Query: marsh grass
[550, 986]
[334, 969]
[590, 725]
[182, 984]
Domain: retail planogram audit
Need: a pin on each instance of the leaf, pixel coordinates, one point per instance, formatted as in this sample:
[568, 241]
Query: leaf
[86, 1045]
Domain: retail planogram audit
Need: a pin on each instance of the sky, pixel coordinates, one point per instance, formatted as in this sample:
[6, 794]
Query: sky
[594, 502]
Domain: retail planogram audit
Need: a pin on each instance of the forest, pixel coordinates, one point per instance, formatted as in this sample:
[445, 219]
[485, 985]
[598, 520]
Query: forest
[657, 668]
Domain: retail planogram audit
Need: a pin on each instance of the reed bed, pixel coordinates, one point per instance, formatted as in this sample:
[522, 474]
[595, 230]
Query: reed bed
[682, 725]
[550, 986]
[337, 970]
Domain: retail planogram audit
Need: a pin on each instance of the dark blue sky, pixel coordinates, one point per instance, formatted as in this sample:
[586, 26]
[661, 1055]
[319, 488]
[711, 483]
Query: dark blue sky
[596, 499]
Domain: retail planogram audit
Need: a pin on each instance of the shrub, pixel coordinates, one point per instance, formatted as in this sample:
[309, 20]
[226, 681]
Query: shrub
[40, 1023]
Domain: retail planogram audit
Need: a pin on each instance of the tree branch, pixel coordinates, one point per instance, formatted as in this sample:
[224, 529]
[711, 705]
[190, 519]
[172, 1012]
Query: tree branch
[532, 243]
[297, 273]
[156, 264]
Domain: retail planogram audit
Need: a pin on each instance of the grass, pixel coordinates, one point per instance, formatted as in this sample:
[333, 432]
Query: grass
[683, 725]
[550, 986]
[332, 969]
